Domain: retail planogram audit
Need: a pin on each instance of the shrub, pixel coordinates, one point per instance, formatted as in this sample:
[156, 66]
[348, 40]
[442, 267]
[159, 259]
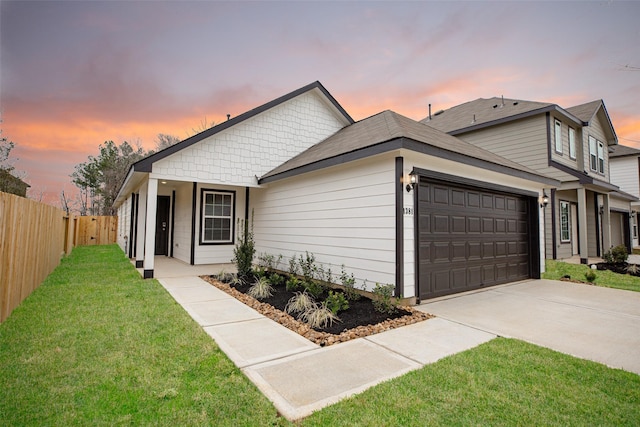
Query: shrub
[314, 287]
[349, 282]
[293, 283]
[308, 266]
[318, 316]
[590, 276]
[261, 289]
[269, 262]
[245, 249]
[299, 303]
[336, 302]
[276, 279]
[293, 266]
[383, 300]
[616, 255]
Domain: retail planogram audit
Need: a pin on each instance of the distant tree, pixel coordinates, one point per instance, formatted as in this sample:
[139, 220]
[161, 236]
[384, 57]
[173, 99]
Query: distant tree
[165, 141]
[202, 126]
[99, 178]
[10, 180]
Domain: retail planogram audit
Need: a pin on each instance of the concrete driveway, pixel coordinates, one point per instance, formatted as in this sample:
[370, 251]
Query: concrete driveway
[589, 322]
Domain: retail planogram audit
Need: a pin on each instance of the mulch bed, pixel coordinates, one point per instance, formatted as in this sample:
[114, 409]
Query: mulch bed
[359, 320]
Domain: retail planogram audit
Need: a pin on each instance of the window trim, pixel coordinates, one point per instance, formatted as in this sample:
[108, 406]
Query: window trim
[593, 153]
[601, 160]
[558, 135]
[203, 192]
[571, 134]
[565, 208]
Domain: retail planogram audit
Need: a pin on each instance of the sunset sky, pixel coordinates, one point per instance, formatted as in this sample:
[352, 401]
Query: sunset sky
[75, 74]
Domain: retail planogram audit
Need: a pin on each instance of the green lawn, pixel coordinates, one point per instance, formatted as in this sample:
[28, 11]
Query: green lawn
[97, 345]
[557, 269]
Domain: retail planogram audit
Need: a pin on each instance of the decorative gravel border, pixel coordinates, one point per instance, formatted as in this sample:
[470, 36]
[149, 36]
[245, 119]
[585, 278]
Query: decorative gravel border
[320, 338]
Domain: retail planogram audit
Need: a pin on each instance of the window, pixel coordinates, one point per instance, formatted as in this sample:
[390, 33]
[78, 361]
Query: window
[634, 222]
[593, 153]
[558, 136]
[600, 157]
[572, 143]
[565, 231]
[217, 217]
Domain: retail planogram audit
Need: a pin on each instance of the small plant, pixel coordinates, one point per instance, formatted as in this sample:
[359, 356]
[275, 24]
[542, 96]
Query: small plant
[349, 284]
[318, 316]
[590, 276]
[245, 248]
[276, 279]
[299, 303]
[314, 287]
[261, 289]
[237, 281]
[224, 277]
[616, 255]
[293, 266]
[633, 269]
[293, 283]
[336, 302]
[383, 300]
[269, 262]
[308, 266]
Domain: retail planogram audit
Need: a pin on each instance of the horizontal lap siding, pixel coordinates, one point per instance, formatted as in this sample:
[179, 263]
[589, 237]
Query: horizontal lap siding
[624, 174]
[343, 215]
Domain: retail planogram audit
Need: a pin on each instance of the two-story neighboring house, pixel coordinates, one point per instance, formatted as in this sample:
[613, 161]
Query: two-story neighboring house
[570, 145]
[625, 172]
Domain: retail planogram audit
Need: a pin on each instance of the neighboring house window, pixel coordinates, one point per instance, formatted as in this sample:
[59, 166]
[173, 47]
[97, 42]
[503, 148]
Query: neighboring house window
[572, 143]
[565, 231]
[596, 155]
[634, 223]
[558, 136]
[600, 157]
[217, 217]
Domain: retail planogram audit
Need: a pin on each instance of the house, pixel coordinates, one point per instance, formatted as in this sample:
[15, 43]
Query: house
[11, 184]
[569, 145]
[390, 199]
[624, 162]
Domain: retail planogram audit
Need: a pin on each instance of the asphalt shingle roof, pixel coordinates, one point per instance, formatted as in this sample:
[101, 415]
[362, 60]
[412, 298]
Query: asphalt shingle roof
[383, 127]
[623, 150]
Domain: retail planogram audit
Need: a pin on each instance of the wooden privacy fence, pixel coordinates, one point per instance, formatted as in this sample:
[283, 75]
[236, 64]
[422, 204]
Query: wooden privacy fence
[33, 239]
[97, 230]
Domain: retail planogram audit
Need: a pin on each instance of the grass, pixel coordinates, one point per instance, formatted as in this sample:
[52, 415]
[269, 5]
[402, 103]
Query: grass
[555, 270]
[97, 345]
[502, 382]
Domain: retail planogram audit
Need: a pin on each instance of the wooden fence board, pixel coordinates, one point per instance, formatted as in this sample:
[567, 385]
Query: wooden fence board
[33, 239]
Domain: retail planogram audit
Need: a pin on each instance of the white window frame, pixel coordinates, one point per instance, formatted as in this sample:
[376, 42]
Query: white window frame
[593, 153]
[221, 215]
[572, 143]
[601, 157]
[634, 225]
[565, 222]
[558, 136]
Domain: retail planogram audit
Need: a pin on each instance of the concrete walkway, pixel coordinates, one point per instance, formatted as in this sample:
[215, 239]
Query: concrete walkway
[590, 322]
[300, 377]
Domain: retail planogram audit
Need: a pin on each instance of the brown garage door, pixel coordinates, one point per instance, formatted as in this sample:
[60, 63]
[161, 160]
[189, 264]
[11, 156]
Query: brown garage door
[470, 238]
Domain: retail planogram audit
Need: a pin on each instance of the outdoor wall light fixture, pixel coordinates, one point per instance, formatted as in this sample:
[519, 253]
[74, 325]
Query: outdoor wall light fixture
[412, 182]
[544, 200]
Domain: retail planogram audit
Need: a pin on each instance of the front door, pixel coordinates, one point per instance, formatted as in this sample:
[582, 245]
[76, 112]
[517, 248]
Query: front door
[575, 245]
[162, 225]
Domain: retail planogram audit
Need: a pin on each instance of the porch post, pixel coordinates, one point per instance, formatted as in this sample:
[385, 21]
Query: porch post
[142, 216]
[606, 224]
[150, 238]
[582, 225]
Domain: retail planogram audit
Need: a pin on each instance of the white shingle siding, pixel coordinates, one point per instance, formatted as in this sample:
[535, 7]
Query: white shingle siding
[124, 225]
[255, 146]
[343, 215]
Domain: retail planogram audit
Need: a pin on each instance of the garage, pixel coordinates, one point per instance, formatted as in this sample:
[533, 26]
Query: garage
[471, 236]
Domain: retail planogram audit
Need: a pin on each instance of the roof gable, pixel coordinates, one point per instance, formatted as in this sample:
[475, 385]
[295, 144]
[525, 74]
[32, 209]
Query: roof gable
[595, 109]
[145, 164]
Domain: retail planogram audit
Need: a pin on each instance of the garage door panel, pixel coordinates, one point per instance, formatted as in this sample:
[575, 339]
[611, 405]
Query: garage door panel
[470, 238]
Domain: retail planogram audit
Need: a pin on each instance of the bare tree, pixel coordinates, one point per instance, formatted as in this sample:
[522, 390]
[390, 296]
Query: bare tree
[165, 141]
